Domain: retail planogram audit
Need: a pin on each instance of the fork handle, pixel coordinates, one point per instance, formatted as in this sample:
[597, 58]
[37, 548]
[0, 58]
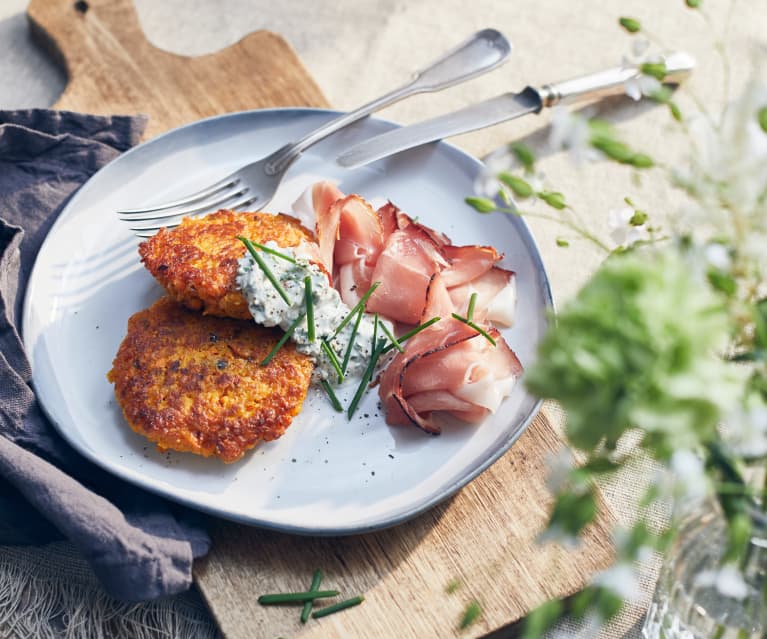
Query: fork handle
[482, 52]
[612, 81]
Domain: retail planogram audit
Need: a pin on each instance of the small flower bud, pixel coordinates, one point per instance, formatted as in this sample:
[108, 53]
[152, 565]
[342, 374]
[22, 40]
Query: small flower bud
[481, 204]
[630, 24]
[516, 184]
[762, 118]
[693, 4]
[639, 218]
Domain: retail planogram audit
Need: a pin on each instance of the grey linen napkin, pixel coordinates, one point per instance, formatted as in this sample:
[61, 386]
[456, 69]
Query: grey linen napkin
[140, 546]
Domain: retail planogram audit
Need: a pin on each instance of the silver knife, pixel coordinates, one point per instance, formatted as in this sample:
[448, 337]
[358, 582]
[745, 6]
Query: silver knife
[507, 107]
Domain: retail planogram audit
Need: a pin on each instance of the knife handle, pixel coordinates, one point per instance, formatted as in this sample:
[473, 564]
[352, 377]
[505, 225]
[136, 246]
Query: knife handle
[611, 81]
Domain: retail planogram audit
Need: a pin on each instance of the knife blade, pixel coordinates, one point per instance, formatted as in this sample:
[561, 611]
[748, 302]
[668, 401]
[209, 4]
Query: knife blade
[477, 116]
[508, 106]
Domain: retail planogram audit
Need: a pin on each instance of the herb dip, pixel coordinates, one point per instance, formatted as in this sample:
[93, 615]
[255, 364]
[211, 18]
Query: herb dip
[268, 308]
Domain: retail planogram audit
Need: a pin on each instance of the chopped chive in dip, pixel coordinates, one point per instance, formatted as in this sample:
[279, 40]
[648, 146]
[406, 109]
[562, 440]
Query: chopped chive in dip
[414, 331]
[479, 329]
[352, 337]
[357, 307]
[282, 340]
[328, 350]
[366, 377]
[309, 307]
[271, 251]
[267, 271]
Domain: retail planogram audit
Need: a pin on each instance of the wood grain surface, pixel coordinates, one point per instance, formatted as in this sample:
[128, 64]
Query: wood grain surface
[484, 537]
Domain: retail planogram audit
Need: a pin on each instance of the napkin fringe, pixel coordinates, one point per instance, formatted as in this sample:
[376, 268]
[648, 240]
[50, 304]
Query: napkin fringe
[45, 602]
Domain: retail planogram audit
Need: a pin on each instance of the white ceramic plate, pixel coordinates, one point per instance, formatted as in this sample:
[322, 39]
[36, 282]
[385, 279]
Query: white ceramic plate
[326, 475]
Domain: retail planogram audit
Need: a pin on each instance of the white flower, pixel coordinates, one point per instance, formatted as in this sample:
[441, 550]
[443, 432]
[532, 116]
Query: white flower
[717, 256]
[622, 232]
[689, 474]
[728, 581]
[640, 85]
[487, 183]
[571, 131]
[746, 431]
[621, 579]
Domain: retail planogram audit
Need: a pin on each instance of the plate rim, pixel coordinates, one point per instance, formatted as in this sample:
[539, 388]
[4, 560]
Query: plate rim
[148, 484]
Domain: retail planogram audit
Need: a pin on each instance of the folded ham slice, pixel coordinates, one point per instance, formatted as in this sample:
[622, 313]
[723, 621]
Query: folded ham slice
[448, 367]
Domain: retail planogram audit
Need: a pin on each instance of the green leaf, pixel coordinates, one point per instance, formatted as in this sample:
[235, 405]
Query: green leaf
[630, 24]
[739, 529]
[573, 512]
[516, 184]
[523, 153]
[471, 614]
[481, 204]
[722, 282]
[760, 323]
[542, 618]
[655, 69]
[677, 114]
[613, 149]
[554, 199]
[762, 118]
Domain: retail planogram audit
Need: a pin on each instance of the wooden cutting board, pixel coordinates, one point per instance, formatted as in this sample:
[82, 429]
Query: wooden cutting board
[483, 538]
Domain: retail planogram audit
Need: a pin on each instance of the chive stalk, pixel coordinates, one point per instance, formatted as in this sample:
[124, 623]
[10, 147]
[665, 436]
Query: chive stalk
[267, 271]
[414, 331]
[366, 377]
[331, 395]
[282, 340]
[313, 588]
[479, 329]
[341, 605]
[358, 306]
[472, 304]
[392, 339]
[309, 300]
[295, 597]
[271, 251]
[333, 360]
[350, 345]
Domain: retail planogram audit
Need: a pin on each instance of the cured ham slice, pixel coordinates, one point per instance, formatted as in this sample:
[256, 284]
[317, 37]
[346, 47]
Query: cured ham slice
[496, 291]
[404, 269]
[360, 242]
[448, 368]
[324, 196]
[467, 263]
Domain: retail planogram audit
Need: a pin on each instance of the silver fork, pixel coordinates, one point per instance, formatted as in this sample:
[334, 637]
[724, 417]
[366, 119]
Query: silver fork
[255, 184]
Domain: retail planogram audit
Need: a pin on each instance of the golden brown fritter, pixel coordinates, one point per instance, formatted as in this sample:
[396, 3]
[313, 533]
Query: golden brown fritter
[197, 261]
[194, 383]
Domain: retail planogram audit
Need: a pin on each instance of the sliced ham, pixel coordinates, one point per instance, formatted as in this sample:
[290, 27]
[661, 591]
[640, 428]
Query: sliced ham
[404, 269]
[466, 263]
[448, 367]
[324, 196]
[360, 242]
[496, 297]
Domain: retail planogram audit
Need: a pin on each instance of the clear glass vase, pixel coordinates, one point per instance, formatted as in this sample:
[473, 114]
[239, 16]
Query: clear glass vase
[687, 605]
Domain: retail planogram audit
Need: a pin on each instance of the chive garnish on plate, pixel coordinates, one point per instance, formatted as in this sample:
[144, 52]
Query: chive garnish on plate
[331, 395]
[282, 340]
[295, 597]
[359, 305]
[413, 331]
[333, 360]
[309, 307]
[267, 271]
[350, 345]
[341, 605]
[313, 588]
[479, 329]
[394, 342]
